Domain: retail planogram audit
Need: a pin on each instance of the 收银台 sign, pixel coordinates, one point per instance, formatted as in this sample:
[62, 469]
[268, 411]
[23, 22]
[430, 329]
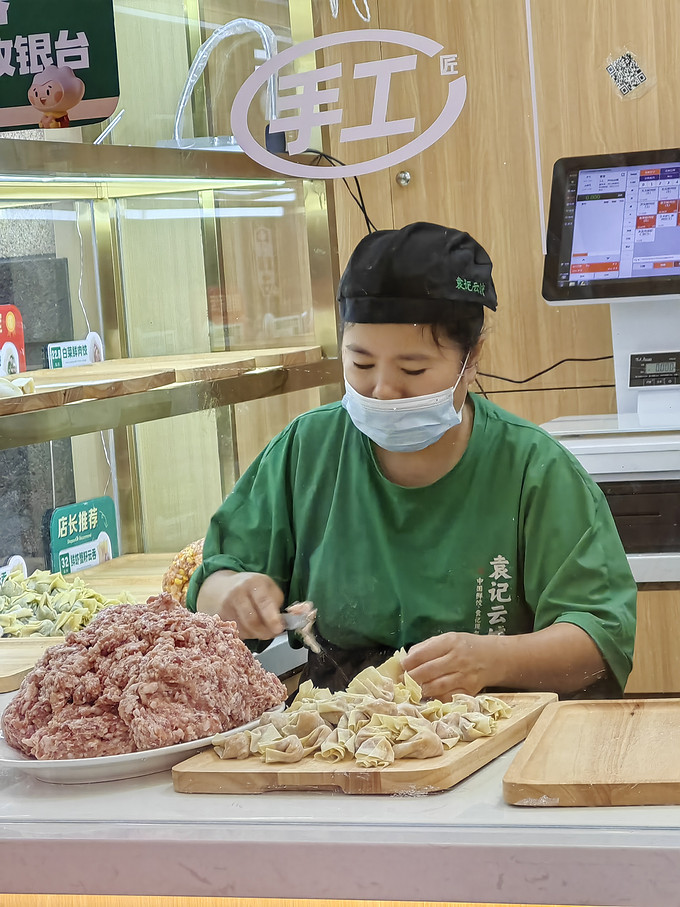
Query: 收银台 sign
[58, 64]
[304, 106]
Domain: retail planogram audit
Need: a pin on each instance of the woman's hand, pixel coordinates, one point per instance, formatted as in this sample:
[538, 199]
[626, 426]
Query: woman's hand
[562, 658]
[451, 663]
[252, 600]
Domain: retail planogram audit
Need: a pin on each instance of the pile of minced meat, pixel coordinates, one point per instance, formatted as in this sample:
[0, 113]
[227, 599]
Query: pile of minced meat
[136, 678]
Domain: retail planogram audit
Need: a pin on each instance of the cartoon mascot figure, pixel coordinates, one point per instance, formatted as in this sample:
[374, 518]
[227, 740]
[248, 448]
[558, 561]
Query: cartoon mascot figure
[54, 92]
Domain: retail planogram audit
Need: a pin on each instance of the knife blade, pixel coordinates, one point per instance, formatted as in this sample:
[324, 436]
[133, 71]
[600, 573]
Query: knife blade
[294, 621]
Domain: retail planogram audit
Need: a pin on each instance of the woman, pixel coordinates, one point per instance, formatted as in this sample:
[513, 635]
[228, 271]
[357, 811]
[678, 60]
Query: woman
[415, 514]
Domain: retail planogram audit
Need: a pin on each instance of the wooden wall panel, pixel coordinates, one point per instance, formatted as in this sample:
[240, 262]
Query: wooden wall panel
[153, 63]
[482, 176]
[540, 406]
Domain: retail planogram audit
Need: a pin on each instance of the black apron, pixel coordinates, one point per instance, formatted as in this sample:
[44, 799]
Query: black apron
[335, 668]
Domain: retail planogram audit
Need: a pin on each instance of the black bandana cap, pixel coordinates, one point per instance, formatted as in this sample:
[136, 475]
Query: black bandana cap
[413, 275]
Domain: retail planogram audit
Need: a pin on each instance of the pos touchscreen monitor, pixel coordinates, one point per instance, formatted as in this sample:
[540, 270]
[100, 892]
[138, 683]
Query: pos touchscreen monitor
[614, 228]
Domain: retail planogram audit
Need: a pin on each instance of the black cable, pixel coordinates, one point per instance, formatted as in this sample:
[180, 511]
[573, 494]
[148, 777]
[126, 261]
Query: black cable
[370, 226]
[484, 393]
[549, 369]
[360, 200]
[575, 387]
[359, 197]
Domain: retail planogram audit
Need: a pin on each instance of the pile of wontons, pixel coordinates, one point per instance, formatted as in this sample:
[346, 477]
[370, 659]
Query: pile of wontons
[379, 718]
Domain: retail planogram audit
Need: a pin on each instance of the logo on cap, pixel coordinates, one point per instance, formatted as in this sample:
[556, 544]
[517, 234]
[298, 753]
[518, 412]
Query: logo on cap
[472, 286]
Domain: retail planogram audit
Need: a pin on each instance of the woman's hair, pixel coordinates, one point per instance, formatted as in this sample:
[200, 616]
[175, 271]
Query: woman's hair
[463, 328]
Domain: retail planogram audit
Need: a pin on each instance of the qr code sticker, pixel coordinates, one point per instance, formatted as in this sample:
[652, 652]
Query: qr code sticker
[626, 73]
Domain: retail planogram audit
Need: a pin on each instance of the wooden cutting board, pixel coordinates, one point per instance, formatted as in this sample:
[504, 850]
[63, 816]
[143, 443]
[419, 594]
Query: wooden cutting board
[19, 656]
[599, 753]
[206, 773]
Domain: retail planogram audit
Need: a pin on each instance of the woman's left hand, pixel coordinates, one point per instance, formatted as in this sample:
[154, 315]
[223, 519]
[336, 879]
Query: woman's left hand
[452, 663]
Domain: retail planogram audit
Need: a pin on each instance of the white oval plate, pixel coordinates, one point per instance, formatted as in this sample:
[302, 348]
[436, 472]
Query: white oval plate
[108, 768]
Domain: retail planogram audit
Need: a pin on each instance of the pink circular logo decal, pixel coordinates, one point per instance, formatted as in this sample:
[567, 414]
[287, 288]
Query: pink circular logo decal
[304, 105]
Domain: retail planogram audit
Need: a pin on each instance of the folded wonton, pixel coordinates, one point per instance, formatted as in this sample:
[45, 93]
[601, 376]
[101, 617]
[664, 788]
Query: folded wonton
[372, 683]
[379, 718]
[422, 745]
[376, 752]
[232, 746]
[338, 745]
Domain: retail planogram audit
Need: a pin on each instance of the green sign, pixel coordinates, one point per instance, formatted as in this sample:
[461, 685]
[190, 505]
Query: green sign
[76, 352]
[58, 65]
[83, 535]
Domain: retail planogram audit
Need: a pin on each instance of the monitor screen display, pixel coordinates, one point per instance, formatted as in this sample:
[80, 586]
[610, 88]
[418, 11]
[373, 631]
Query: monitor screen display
[614, 227]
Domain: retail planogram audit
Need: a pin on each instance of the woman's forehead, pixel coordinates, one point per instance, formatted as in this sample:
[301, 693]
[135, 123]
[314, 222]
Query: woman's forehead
[405, 340]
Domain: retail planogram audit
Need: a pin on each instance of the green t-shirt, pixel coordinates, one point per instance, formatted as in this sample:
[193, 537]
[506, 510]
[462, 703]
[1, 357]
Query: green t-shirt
[514, 538]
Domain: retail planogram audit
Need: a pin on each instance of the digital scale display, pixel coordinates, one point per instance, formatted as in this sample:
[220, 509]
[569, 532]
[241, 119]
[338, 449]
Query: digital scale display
[654, 369]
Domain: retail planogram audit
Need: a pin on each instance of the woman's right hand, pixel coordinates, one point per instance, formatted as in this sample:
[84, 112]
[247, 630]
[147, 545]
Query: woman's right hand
[252, 600]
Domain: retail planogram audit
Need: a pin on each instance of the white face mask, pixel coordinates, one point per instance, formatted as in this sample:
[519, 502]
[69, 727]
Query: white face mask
[407, 424]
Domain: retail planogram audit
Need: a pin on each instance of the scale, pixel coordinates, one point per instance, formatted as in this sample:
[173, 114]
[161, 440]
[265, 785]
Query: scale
[646, 345]
[614, 238]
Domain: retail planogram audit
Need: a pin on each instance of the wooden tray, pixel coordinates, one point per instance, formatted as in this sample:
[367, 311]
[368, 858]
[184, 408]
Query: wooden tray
[139, 574]
[19, 656]
[207, 773]
[599, 753]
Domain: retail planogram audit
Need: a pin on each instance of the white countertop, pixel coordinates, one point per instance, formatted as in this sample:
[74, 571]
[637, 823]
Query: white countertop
[141, 837]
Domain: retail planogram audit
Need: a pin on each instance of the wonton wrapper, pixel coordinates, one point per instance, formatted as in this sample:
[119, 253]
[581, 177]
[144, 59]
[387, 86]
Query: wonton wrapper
[422, 746]
[472, 702]
[338, 745]
[234, 746]
[408, 708]
[302, 723]
[394, 727]
[393, 668]
[314, 740]
[474, 725]
[376, 752]
[449, 734]
[262, 735]
[278, 719]
[372, 683]
[380, 717]
[408, 690]
[308, 694]
[287, 749]
[491, 705]
[340, 705]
